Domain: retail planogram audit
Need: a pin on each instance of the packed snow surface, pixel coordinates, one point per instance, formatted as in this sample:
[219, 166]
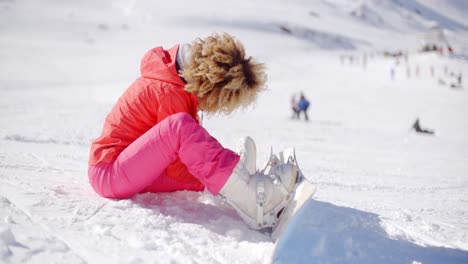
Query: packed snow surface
[63, 64]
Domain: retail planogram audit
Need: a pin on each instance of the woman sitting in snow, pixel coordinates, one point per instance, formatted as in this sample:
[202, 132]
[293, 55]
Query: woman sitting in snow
[152, 140]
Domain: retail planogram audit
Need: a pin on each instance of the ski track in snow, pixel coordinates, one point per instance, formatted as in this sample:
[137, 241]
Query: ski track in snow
[63, 65]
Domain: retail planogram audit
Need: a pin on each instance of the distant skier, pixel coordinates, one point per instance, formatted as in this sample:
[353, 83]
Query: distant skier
[294, 107]
[303, 106]
[417, 127]
[152, 140]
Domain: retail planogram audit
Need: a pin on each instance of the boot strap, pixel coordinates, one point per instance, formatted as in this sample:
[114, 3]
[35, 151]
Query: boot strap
[260, 201]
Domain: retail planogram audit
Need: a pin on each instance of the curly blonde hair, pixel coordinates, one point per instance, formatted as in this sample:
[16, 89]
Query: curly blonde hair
[220, 76]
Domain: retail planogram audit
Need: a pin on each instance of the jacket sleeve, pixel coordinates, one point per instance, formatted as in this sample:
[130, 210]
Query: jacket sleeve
[173, 103]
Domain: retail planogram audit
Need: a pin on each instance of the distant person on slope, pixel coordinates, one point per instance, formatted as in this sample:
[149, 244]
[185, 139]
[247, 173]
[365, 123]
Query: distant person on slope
[152, 140]
[417, 127]
[303, 105]
[294, 107]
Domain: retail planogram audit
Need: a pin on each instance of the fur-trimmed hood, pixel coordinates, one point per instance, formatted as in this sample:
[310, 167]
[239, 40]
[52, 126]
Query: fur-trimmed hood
[220, 75]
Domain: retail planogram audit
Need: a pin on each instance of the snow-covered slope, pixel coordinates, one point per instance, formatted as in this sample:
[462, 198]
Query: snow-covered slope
[64, 63]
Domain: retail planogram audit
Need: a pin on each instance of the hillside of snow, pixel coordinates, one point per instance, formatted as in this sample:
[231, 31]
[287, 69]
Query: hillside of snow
[63, 64]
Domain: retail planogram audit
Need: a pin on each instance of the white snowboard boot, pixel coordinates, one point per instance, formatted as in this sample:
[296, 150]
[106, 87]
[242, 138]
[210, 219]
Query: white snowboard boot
[260, 199]
[248, 154]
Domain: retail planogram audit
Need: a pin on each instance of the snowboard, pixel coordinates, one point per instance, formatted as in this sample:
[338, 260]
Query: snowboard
[322, 232]
[304, 191]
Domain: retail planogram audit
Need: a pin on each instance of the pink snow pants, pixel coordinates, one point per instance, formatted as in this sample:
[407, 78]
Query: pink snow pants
[143, 162]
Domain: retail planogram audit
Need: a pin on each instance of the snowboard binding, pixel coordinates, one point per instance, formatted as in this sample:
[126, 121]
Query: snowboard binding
[268, 198]
[285, 162]
[288, 156]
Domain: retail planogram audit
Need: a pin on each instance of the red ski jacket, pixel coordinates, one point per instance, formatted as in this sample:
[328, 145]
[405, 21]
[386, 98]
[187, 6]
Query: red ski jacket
[158, 93]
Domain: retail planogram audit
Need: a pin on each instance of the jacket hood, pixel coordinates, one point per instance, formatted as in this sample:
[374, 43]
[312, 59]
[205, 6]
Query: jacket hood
[160, 64]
